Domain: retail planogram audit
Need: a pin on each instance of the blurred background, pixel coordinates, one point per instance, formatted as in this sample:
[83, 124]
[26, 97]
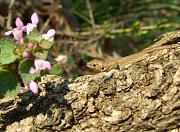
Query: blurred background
[88, 29]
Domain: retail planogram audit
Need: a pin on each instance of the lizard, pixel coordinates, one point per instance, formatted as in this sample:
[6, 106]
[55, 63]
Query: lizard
[100, 65]
[166, 39]
[162, 42]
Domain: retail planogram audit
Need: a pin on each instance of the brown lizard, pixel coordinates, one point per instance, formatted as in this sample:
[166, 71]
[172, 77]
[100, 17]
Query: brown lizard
[166, 39]
[100, 65]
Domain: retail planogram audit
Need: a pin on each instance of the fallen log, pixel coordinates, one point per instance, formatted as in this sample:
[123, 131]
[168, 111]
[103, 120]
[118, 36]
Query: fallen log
[143, 96]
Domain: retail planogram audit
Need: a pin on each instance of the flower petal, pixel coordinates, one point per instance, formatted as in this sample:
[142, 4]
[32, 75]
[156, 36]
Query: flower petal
[21, 42]
[17, 34]
[32, 70]
[34, 19]
[33, 87]
[45, 36]
[47, 65]
[49, 34]
[19, 23]
[30, 45]
[25, 54]
[8, 33]
[42, 64]
[30, 27]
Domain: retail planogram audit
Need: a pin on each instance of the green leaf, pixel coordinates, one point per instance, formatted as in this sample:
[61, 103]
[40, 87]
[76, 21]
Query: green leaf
[46, 44]
[7, 54]
[56, 70]
[42, 54]
[35, 36]
[9, 84]
[24, 68]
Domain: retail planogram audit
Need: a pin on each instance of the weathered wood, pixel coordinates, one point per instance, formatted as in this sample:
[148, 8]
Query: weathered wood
[143, 96]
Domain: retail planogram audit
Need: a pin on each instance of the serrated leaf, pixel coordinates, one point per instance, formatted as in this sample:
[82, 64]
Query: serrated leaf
[7, 54]
[42, 54]
[35, 36]
[24, 68]
[9, 84]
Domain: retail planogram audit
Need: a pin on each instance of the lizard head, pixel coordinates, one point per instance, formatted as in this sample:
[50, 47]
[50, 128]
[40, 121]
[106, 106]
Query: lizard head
[97, 65]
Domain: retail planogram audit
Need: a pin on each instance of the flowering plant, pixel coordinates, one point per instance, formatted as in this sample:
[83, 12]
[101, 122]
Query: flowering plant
[23, 58]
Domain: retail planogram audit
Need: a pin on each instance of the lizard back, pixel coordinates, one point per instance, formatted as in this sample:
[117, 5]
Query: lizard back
[100, 65]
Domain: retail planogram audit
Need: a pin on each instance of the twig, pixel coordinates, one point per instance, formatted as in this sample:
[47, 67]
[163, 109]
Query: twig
[82, 16]
[91, 14]
[9, 18]
[95, 38]
[46, 24]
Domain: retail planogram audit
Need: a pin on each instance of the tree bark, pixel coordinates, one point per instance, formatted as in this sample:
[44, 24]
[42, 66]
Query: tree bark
[143, 96]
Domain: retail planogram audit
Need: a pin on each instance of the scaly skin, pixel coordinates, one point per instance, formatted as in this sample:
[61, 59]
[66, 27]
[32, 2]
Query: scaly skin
[100, 65]
[168, 38]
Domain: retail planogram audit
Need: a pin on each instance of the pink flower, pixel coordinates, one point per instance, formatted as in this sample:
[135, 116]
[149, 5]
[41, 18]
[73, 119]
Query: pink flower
[34, 19]
[19, 23]
[50, 34]
[40, 64]
[17, 35]
[25, 54]
[33, 24]
[32, 70]
[18, 31]
[33, 87]
[30, 45]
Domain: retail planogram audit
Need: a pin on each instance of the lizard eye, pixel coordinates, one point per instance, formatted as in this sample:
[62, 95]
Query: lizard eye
[94, 65]
[103, 68]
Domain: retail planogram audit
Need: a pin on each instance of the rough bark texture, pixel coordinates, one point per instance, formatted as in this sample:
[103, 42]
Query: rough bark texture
[143, 96]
